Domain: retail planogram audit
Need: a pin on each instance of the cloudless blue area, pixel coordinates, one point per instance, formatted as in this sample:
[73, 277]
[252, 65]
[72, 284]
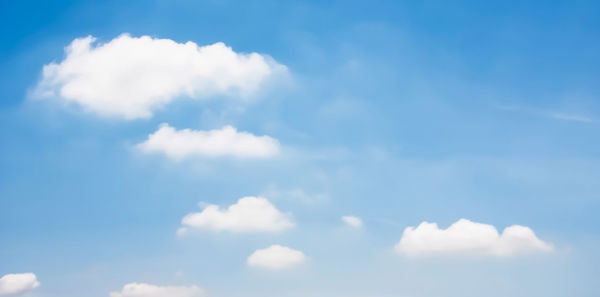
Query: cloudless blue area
[399, 112]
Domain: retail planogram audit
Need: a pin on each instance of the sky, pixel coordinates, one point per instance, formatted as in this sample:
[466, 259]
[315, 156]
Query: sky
[299, 148]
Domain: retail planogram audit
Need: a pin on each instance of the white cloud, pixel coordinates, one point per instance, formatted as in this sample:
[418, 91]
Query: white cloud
[249, 214]
[130, 77]
[227, 141]
[354, 222]
[16, 284]
[276, 257]
[147, 290]
[466, 237]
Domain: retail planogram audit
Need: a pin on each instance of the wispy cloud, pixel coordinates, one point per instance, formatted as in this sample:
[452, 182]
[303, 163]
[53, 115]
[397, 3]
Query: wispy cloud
[295, 195]
[570, 117]
[552, 114]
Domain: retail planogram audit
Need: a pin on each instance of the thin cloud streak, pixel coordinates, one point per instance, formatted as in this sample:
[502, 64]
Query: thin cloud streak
[557, 115]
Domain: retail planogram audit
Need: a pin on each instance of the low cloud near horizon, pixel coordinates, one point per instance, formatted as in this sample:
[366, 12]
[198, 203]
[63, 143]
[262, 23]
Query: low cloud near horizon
[18, 284]
[148, 290]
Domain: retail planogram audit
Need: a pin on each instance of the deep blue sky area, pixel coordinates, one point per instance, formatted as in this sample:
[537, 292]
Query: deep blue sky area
[395, 112]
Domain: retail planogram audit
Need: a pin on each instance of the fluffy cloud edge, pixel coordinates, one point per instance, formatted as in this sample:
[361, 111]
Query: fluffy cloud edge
[148, 290]
[249, 214]
[227, 141]
[131, 77]
[18, 283]
[276, 257]
[467, 237]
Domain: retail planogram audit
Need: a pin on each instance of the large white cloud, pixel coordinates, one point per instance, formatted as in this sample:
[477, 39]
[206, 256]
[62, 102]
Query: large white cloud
[130, 77]
[466, 237]
[16, 284]
[276, 257]
[147, 290]
[178, 144]
[249, 214]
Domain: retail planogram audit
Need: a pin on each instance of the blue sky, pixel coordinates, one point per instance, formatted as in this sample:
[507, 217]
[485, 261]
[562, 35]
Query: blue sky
[395, 112]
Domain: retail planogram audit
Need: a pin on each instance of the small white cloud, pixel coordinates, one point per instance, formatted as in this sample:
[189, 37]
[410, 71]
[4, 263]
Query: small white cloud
[179, 144]
[17, 284]
[276, 257]
[147, 290]
[130, 77]
[466, 237]
[249, 214]
[182, 231]
[352, 221]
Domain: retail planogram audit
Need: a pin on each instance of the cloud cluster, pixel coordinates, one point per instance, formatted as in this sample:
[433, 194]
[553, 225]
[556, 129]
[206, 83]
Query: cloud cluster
[147, 290]
[130, 77]
[249, 214]
[179, 144]
[17, 284]
[467, 237]
[276, 257]
[352, 221]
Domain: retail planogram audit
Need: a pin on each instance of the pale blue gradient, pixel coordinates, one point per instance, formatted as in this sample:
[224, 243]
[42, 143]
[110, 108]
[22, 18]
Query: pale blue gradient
[399, 112]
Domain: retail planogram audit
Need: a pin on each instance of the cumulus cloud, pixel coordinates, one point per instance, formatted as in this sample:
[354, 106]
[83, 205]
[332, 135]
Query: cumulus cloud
[17, 284]
[467, 237]
[130, 77]
[249, 214]
[227, 141]
[147, 290]
[276, 257]
[352, 221]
